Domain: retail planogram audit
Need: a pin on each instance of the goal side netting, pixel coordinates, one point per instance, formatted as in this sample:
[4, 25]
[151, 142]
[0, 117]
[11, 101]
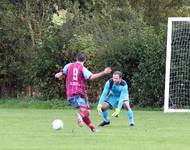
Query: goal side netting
[177, 78]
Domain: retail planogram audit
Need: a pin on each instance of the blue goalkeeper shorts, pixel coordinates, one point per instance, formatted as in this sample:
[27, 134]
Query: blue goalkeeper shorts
[112, 101]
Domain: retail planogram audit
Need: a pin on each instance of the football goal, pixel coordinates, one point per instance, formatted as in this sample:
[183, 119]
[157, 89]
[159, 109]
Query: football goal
[177, 78]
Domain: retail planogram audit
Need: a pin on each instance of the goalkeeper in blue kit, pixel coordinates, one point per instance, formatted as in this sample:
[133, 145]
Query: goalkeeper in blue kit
[115, 95]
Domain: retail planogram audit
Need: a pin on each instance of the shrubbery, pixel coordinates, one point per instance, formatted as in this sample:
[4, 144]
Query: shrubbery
[111, 35]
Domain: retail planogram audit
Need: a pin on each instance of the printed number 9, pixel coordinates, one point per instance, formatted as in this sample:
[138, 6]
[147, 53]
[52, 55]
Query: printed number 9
[75, 74]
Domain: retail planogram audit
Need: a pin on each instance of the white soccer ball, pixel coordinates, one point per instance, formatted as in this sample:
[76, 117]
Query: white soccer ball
[57, 124]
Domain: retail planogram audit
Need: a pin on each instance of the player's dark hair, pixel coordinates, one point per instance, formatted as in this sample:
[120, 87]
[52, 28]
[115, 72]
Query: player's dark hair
[81, 56]
[118, 73]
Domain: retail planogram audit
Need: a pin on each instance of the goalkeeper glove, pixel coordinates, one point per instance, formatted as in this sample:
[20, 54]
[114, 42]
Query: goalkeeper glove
[99, 108]
[116, 113]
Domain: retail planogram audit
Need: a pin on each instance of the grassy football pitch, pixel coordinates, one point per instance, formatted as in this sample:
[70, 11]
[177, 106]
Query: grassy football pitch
[30, 129]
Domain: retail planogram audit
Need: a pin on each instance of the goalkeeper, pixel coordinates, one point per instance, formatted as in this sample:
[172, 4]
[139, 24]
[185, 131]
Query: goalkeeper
[115, 95]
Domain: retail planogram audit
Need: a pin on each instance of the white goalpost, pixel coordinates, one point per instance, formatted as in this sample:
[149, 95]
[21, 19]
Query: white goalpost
[177, 78]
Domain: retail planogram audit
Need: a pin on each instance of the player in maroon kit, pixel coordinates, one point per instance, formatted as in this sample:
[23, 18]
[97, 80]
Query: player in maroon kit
[76, 74]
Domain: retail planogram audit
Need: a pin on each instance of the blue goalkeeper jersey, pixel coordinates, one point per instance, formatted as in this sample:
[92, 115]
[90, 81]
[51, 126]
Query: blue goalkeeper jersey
[120, 92]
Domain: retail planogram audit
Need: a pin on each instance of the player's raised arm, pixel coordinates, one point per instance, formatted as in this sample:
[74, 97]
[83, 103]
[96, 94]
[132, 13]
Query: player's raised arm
[107, 70]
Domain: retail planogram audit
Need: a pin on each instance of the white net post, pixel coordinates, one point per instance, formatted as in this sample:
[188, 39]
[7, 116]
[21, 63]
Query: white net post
[177, 78]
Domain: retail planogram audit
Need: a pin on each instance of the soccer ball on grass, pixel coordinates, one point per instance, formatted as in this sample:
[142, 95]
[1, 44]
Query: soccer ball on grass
[57, 124]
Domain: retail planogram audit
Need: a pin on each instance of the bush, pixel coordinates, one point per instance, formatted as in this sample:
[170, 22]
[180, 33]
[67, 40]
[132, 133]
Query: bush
[140, 55]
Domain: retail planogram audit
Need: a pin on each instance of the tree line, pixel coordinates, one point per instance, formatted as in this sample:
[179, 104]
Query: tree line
[38, 37]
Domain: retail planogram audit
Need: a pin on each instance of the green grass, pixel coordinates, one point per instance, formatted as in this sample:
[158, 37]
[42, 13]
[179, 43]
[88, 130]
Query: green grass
[30, 129]
[37, 103]
[34, 103]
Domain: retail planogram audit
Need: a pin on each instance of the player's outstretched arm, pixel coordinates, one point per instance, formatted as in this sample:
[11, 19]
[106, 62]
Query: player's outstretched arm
[103, 97]
[59, 75]
[107, 70]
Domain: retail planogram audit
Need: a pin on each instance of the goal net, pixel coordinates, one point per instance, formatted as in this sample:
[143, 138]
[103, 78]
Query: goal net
[177, 79]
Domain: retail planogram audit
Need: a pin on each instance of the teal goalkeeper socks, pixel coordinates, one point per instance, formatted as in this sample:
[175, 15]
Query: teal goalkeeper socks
[130, 116]
[105, 115]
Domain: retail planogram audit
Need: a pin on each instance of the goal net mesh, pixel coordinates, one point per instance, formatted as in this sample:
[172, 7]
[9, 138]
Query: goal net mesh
[179, 84]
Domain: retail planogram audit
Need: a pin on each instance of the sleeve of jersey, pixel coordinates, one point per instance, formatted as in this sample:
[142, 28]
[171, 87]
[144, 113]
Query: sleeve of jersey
[86, 73]
[104, 93]
[65, 69]
[123, 96]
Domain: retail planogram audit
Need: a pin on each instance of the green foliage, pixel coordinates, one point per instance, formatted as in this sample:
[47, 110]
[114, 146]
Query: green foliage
[141, 58]
[14, 50]
[148, 80]
[156, 12]
[49, 57]
[120, 34]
